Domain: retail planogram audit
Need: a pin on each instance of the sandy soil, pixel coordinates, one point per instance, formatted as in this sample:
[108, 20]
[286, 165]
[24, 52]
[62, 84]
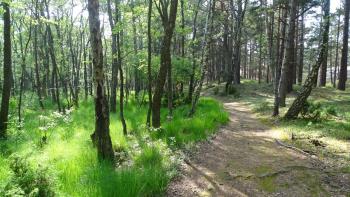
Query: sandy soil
[243, 159]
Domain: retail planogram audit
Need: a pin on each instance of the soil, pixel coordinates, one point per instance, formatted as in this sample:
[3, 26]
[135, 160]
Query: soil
[243, 159]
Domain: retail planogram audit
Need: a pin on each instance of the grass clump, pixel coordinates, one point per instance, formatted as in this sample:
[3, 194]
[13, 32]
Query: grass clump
[181, 130]
[147, 159]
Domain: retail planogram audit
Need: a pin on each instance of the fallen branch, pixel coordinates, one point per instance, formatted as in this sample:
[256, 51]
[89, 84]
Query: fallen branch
[292, 148]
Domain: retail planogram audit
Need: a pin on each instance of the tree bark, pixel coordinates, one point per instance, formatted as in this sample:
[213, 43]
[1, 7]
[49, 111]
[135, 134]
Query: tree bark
[193, 48]
[286, 73]
[121, 74]
[343, 73]
[168, 22]
[336, 54]
[55, 84]
[7, 83]
[301, 50]
[207, 40]
[114, 79]
[305, 92]
[277, 65]
[149, 62]
[323, 70]
[101, 135]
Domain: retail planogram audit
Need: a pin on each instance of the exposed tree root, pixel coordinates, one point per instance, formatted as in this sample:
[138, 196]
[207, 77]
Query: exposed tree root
[293, 148]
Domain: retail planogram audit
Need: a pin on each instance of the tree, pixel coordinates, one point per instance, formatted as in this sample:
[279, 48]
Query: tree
[100, 137]
[121, 74]
[305, 91]
[149, 62]
[168, 22]
[343, 74]
[114, 80]
[323, 70]
[207, 40]
[336, 53]
[237, 37]
[301, 48]
[193, 50]
[288, 62]
[7, 83]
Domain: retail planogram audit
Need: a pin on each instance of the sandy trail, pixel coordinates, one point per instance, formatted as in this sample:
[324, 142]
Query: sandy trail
[243, 159]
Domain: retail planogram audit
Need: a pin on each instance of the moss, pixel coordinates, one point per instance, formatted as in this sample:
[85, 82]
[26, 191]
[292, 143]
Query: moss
[268, 184]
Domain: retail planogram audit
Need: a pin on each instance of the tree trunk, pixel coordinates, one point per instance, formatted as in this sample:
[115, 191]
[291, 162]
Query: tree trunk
[343, 73]
[7, 83]
[207, 40]
[277, 65]
[121, 74]
[336, 54]
[149, 62]
[286, 73]
[137, 73]
[237, 40]
[301, 50]
[114, 79]
[168, 22]
[101, 135]
[305, 92]
[193, 47]
[24, 50]
[323, 70]
[55, 84]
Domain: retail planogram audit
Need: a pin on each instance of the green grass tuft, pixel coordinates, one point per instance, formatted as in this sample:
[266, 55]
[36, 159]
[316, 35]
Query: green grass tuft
[71, 160]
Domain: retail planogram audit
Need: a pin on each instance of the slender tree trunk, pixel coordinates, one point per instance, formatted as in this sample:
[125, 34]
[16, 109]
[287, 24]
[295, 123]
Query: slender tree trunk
[260, 57]
[36, 63]
[336, 54]
[24, 50]
[305, 92]
[207, 40]
[149, 62]
[114, 79]
[323, 70]
[193, 47]
[101, 135]
[121, 74]
[301, 50]
[343, 73]
[277, 64]
[7, 83]
[238, 40]
[288, 62]
[55, 84]
[168, 22]
[137, 82]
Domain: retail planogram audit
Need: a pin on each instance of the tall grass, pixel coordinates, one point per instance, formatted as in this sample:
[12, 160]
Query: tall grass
[72, 161]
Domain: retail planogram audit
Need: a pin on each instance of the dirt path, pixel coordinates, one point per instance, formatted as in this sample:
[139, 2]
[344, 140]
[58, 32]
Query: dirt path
[243, 159]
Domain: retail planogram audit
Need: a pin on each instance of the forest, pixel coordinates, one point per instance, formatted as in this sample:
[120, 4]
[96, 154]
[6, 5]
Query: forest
[185, 98]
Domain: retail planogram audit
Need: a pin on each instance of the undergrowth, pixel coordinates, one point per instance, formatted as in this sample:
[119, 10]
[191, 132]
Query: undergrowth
[54, 153]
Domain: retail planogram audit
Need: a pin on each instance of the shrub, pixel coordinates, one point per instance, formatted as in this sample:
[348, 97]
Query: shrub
[315, 111]
[26, 181]
[311, 110]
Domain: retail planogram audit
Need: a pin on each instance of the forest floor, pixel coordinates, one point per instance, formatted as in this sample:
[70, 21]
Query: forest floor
[249, 157]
